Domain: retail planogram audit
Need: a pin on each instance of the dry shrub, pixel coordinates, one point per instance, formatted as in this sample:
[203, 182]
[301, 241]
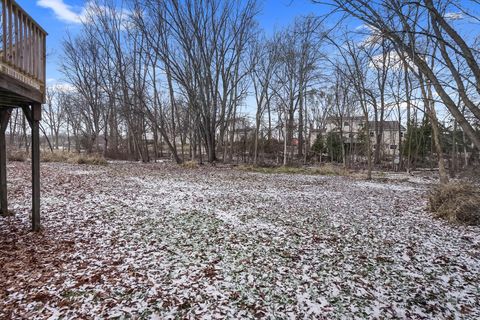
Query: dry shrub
[330, 170]
[190, 164]
[19, 156]
[56, 156]
[73, 158]
[456, 202]
[95, 160]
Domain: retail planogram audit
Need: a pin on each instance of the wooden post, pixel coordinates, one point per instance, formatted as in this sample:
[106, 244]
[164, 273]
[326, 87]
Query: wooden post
[36, 117]
[4, 117]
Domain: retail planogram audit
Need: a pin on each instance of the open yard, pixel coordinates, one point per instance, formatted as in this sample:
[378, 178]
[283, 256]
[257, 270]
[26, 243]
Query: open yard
[160, 241]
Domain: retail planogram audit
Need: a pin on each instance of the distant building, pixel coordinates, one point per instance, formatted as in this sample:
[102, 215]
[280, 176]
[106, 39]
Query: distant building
[243, 129]
[352, 127]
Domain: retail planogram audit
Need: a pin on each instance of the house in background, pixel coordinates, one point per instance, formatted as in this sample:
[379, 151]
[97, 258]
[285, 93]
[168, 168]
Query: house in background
[244, 130]
[393, 134]
[353, 127]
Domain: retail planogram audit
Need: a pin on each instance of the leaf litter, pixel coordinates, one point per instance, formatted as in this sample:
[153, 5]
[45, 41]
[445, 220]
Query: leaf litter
[158, 241]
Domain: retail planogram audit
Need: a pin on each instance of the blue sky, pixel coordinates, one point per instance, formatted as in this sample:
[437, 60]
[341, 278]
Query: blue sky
[58, 17]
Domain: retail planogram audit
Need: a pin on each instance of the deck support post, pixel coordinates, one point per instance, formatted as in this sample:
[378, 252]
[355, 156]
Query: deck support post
[4, 117]
[34, 115]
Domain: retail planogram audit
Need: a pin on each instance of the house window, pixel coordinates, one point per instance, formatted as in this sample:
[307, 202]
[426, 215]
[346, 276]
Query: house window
[372, 133]
[346, 124]
[393, 146]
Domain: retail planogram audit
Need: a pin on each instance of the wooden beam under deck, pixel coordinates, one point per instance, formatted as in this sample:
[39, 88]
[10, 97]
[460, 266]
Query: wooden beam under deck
[21, 91]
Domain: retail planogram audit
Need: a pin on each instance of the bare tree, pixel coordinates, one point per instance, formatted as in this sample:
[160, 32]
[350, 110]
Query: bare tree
[263, 62]
[402, 22]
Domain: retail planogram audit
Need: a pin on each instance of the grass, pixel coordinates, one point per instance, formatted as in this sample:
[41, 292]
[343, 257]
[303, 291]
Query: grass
[73, 158]
[325, 170]
[457, 202]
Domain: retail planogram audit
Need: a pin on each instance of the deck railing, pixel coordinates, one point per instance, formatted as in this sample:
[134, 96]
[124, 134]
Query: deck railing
[22, 46]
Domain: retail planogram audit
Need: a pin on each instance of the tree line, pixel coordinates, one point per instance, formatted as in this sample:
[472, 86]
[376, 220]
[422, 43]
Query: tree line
[200, 80]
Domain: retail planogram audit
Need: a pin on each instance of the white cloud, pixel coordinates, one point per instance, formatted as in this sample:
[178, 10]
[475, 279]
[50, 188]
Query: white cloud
[364, 27]
[85, 14]
[63, 87]
[60, 86]
[62, 10]
[372, 35]
[454, 16]
[393, 59]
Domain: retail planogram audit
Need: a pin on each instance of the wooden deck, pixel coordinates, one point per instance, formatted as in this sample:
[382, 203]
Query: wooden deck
[22, 85]
[22, 56]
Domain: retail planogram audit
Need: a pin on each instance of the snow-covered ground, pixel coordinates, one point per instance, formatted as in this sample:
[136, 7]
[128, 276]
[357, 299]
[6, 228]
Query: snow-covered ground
[158, 241]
